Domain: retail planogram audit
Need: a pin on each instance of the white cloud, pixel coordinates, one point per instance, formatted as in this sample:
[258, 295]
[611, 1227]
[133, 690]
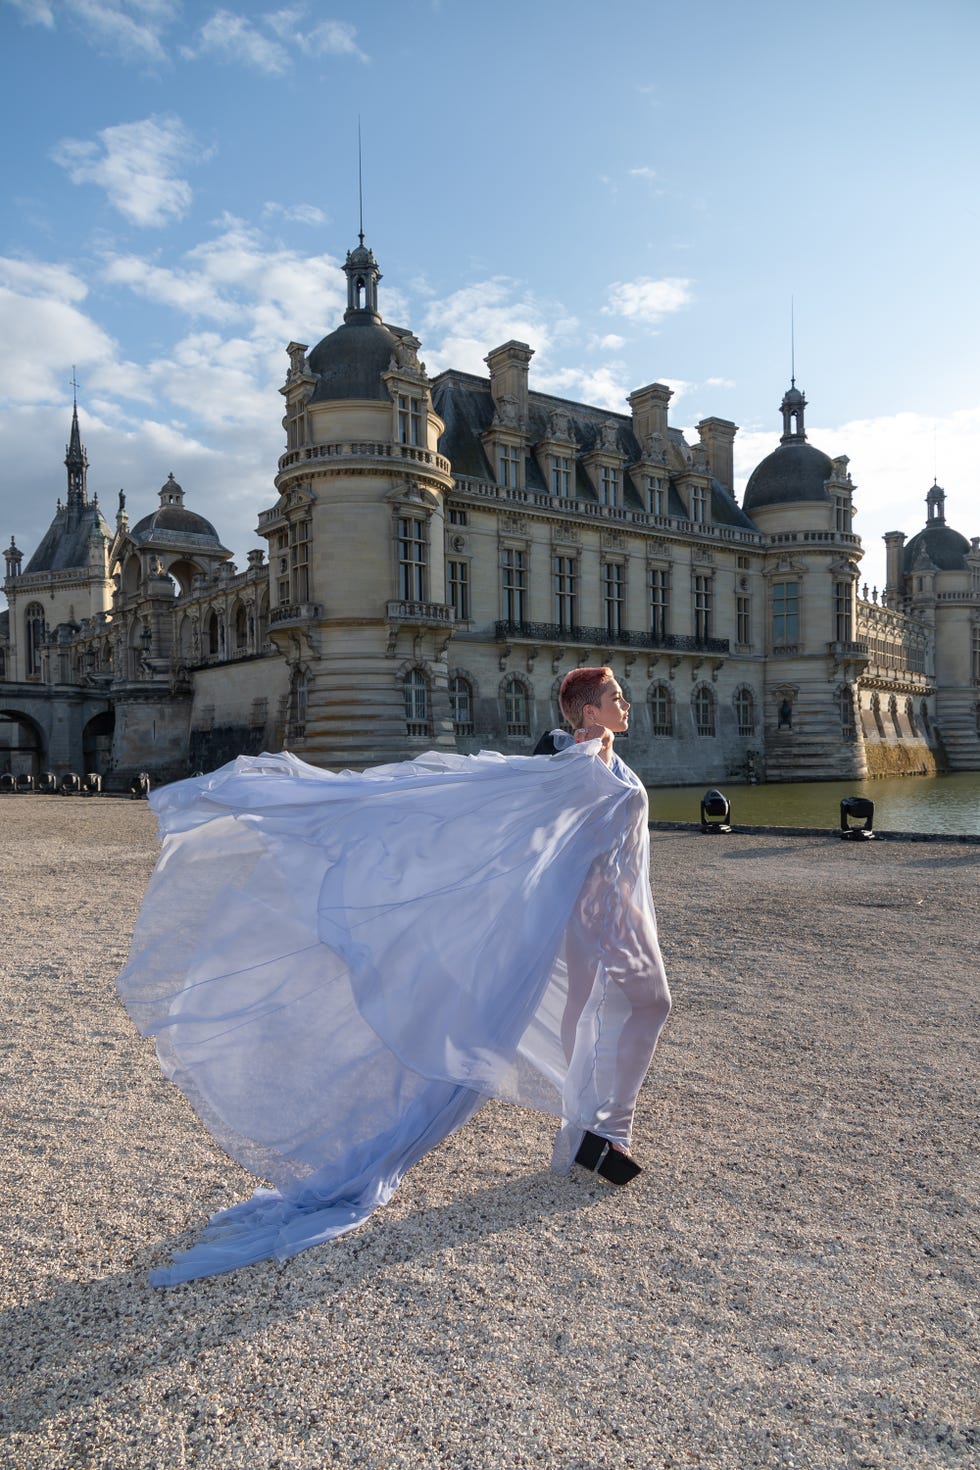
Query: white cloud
[605, 387]
[133, 28]
[611, 342]
[302, 214]
[231, 37]
[678, 387]
[327, 38]
[35, 12]
[464, 326]
[44, 332]
[135, 164]
[720, 383]
[647, 300]
[649, 174]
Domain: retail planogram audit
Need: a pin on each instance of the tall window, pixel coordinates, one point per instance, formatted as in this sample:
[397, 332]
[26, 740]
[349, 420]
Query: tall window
[565, 592]
[214, 635]
[461, 704]
[656, 489]
[785, 613]
[458, 582]
[702, 607]
[299, 556]
[842, 513]
[699, 504]
[659, 602]
[843, 620]
[561, 476]
[298, 699]
[613, 595]
[241, 628]
[608, 485]
[509, 465]
[703, 705]
[743, 618]
[517, 716]
[845, 703]
[412, 560]
[409, 419]
[661, 710]
[514, 584]
[416, 690]
[34, 627]
[745, 711]
[458, 516]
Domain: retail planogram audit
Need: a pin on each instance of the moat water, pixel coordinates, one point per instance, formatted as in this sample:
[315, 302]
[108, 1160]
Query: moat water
[902, 803]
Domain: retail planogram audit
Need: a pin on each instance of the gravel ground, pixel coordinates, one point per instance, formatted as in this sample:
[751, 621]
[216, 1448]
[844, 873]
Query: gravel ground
[790, 1283]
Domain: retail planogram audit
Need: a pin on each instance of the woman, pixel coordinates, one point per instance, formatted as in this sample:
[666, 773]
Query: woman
[341, 969]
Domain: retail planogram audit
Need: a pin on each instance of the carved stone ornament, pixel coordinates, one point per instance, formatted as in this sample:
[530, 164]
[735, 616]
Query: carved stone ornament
[609, 435]
[506, 412]
[559, 425]
[513, 525]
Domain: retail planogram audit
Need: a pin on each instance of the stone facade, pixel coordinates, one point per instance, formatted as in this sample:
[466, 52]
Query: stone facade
[441, 551]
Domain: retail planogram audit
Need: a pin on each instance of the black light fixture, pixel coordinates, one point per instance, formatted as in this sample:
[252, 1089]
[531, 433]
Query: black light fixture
[716, 811]
[861, 809]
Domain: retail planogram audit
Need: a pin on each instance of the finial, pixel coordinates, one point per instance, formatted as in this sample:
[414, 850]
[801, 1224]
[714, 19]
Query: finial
[74, 387]
[792, 345]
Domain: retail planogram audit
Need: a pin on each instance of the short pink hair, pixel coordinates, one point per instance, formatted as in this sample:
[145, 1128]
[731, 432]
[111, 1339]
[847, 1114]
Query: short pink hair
[579, 688]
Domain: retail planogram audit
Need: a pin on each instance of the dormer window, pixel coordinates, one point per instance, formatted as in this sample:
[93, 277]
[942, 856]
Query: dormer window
[656, 489]
[608, 485]
[409, 419]
[561, 475]
[699, 504]
[509, 466]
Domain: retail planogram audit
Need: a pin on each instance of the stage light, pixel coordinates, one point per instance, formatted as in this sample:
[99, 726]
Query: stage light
[716, 811]
[860, 808]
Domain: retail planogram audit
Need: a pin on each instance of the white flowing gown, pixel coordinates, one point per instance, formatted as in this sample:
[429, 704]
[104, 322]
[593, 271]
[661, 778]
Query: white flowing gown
[339, 970]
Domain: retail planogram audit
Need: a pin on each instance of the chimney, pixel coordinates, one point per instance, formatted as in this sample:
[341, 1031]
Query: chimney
[894, 544]
[649, 407]
[717, 439]
[508, 382]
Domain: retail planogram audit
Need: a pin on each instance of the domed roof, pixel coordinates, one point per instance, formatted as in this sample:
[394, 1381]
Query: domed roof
[793, 472]
[174, 518]
[350, 361]
[944, 547]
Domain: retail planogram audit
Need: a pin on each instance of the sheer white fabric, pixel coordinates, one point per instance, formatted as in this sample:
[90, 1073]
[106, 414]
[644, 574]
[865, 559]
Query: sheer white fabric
[339, 969]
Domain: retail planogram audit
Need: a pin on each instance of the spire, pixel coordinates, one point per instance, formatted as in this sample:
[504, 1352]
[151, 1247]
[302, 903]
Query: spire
[76, 460]
[361, 270]
[936, 506]
[791, 409]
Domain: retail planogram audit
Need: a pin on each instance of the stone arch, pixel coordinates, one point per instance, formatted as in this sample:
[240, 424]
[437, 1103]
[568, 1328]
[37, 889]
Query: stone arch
[22, 747]
[97, 742]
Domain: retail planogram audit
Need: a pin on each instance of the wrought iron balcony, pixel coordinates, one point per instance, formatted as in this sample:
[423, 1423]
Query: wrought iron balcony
[603, 638]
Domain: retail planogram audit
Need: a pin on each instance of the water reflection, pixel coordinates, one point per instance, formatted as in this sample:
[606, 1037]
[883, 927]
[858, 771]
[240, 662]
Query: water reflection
[902, 803]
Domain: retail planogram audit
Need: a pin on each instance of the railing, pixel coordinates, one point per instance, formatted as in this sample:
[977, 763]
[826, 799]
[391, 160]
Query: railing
[856, 649]
[295, 612]
[429, 614]
[603, 638]
[367, 449]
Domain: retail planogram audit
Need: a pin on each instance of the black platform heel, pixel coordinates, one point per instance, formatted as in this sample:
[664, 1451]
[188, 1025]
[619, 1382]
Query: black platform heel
[598, 1154]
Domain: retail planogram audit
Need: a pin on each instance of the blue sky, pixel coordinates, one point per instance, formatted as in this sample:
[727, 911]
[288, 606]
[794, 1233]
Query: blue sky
[636, 189]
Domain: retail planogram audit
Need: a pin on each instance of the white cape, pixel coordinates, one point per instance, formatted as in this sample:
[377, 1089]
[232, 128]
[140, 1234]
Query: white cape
[339, 969]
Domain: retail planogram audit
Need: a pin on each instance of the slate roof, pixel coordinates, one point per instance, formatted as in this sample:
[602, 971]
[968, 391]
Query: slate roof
[65, 544]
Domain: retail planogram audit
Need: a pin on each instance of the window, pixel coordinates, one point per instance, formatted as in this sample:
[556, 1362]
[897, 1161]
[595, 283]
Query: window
[703, 705]
[34, 625]
[743, 618]
[299, 556]
[214, 633]
[458, 516]
[661, 710]
[241, 628]
[659, 602]
[699, 504]
[745, 711]
[412, 560]
[656, 495]
[416, 690]
[702, 608]
[785, 613]
[409, 419]
[509, 466]
[458, 582]
[843, 621]
[845, 704]
[298, 699]
[514, 584]
[516, 708]
[613, 594]
[608, 485]
[842, 513]
[561, 476]
[461, 704]
[565, 592]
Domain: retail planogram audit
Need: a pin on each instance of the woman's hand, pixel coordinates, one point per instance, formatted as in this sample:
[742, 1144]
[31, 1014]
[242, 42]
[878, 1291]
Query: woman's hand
[597, 732]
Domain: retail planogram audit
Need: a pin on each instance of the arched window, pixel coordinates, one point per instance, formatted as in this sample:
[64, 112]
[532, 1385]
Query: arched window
[661, 710]
[703, 705]
[745, 711]
[34, 625]
[461, 704]
[845, 706]
[241, 628]
[416, 690]
[517, 716]
[213, 634]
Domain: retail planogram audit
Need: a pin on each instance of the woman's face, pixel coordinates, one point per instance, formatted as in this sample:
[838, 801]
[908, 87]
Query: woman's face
[613, 709]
